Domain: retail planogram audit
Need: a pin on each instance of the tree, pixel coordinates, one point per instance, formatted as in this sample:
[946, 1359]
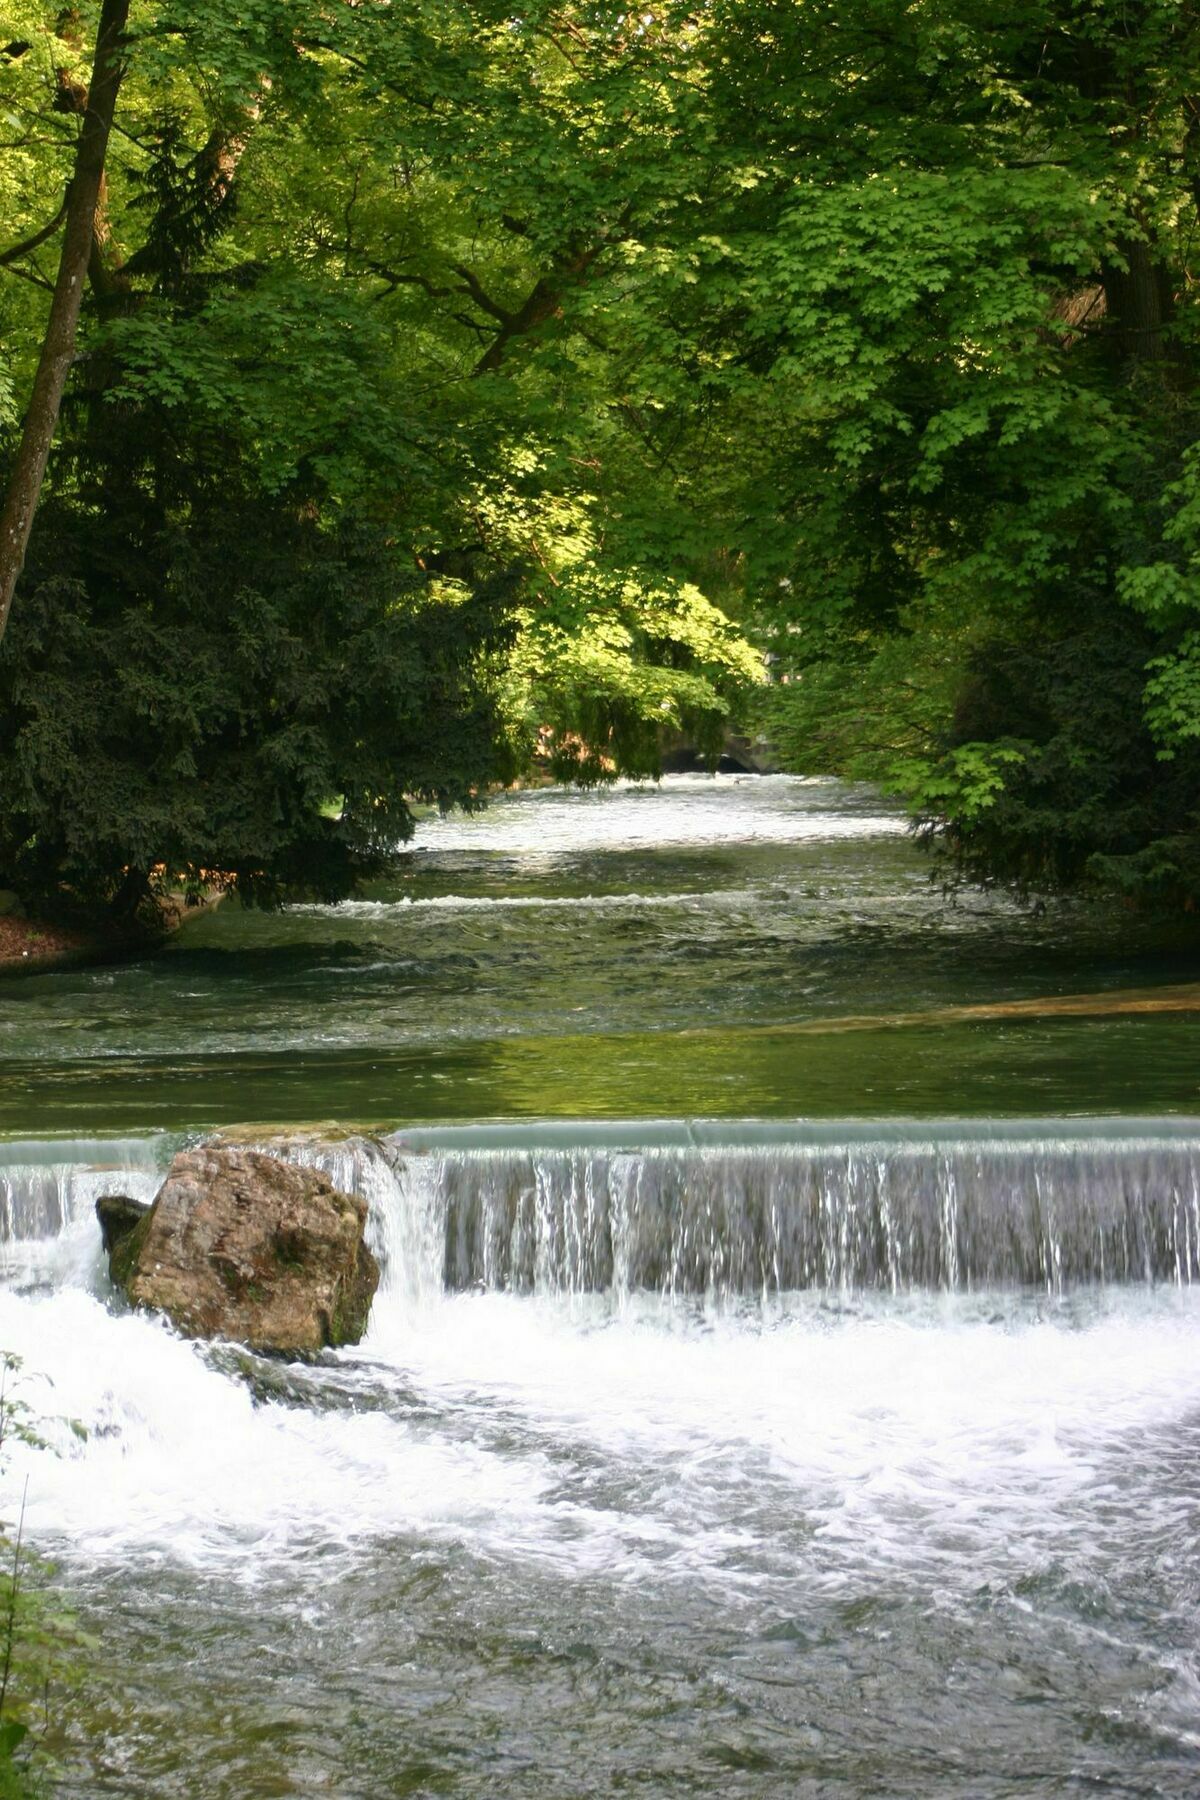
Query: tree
[954, 342]
[308, 550]
[77, 214]
[211, 686]
[864, 330]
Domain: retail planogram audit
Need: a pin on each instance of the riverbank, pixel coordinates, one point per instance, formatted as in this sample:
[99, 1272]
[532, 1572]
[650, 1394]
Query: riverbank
[34, 946]
[30, 944]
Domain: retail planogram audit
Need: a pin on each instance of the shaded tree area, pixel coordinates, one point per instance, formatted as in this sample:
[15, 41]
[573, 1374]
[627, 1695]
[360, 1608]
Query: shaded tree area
[205, 686]
[975, 312]
[546, 369]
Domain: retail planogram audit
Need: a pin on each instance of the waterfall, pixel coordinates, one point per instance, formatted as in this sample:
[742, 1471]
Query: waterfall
[951, 1208]
[708, 1209]
[48, 1186]
[406, 1227]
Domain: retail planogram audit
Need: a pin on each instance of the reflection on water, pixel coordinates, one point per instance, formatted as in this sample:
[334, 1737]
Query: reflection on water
[610, 953]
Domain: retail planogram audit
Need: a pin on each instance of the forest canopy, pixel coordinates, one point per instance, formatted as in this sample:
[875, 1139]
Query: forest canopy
[455, 386]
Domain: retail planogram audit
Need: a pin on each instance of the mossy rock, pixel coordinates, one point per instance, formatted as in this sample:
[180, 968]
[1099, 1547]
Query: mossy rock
[244, 1247]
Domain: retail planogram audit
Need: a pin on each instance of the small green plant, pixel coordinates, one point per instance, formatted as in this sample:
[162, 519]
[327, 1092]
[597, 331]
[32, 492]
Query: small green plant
[41, 1646]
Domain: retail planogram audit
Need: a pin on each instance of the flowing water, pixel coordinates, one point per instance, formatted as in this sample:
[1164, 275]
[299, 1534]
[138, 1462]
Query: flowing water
[737, 946]
[785, 1376]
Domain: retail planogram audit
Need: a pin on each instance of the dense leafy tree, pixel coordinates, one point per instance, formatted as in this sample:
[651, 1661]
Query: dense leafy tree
[869, 327]
[294, 517]
[196, 671]
[966, 316]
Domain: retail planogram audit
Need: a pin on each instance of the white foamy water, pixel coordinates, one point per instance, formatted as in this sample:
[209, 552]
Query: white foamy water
[181, 1463]
[678, 811]
[956, 1438]
[920, 1435]
[576, 1504]
[452, 903]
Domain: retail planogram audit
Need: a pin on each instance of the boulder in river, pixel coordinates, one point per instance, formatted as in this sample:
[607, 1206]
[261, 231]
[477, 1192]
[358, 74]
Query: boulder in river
[239, 1245]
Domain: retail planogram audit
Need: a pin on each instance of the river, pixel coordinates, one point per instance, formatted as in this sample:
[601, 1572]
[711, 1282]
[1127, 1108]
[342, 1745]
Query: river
[785, 1378]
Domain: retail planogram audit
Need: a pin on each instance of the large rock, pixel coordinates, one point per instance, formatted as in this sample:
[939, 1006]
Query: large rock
[239, 1245]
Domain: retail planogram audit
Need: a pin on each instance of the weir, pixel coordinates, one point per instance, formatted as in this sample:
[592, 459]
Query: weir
[704, 1207]
[48, 1185]
[717, 1208]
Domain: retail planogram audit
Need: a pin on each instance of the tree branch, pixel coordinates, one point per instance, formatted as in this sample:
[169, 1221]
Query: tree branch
[542, 302]
[34, 276]
[480, 296]
[39, 237]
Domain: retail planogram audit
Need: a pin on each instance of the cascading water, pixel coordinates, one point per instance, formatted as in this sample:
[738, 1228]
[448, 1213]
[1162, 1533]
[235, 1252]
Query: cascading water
[48, 1186]
[754, 1210]
[761, 1210]
[909, 1414]
[761, 1220]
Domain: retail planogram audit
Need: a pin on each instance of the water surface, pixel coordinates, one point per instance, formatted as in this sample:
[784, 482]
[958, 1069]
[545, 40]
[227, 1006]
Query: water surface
[572, 1541]
[789, 1392]
[687, 948]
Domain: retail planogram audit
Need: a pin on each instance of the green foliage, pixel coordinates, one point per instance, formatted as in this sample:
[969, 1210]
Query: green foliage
[604, 662]
[198, 669]
[600, 674]
[1051, 775]
[860, 703]
[41, 1646]
[314, 533]
[862, 332]
[969, 319]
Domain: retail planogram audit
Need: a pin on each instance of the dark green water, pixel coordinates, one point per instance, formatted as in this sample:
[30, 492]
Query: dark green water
[644, 951]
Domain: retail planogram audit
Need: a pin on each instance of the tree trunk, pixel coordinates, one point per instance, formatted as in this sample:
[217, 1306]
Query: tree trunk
[58, 346]
[133, 892]
[1138, 304]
